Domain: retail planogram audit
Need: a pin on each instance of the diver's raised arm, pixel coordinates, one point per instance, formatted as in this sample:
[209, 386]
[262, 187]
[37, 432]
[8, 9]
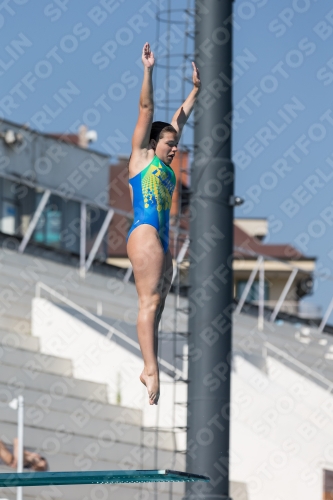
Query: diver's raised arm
[183, 113]
[140, 139]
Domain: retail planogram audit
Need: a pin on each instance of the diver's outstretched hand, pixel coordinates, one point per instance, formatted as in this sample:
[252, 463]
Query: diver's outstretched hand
[196, 75]
[147, 56]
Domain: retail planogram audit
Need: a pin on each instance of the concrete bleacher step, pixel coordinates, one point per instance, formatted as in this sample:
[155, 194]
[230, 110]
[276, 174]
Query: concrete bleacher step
[31, 269]
[16, 324]
[288, 334]
[22, 309]
[111, 440]
[36, 361]
[288, 343]
[11, 340]
[75, 423]
[118, 422]
[18, 319]
[19, 289]
[43, 381]
[247, 325]
[46, 402]
[22, 305]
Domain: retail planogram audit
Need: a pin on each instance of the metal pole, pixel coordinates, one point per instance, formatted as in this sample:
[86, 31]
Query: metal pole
[34, 220]
[325, 318]
[261, 296]
[248, 285]
[83, 236]
[180, 257]
[211, 253]
[128, 274]
[98, 239]
[283, 294]
[20, 427]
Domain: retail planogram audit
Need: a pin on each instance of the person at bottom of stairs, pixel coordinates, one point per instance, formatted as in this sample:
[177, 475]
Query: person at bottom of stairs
[31, 460]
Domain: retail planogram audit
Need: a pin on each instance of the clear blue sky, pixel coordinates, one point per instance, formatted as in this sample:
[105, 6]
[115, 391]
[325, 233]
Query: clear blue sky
[282, 141]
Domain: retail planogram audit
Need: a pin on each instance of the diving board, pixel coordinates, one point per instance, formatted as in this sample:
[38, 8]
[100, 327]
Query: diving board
[96, 477]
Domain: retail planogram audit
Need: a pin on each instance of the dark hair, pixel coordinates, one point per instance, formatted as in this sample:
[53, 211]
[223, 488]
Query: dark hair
[159, 128]
[46, 463]
[32, 464]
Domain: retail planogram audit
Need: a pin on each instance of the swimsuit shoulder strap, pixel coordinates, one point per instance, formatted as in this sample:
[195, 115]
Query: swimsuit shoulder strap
[155, 161]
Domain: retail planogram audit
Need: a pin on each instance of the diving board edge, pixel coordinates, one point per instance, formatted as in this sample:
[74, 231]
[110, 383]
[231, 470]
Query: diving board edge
[14, 479]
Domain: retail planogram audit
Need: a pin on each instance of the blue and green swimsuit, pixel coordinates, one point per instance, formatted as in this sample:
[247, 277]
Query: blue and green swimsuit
[152, 195]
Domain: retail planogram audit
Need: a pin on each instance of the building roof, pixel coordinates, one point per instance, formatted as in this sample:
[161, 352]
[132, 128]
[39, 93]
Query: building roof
[248, 246]
[69, 138]
[253, 226]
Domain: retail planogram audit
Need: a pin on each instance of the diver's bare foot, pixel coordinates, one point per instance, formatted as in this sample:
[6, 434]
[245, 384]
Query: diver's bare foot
[152, 381]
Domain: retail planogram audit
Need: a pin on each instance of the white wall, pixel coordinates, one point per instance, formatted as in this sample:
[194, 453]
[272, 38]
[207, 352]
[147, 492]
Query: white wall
[100, 359]
[281, 433]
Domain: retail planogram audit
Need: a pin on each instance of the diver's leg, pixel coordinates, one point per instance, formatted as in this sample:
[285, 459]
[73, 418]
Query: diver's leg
[148, 260]
[165, 288]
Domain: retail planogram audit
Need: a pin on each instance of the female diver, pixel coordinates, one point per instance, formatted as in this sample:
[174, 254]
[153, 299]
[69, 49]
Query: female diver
[152, 182]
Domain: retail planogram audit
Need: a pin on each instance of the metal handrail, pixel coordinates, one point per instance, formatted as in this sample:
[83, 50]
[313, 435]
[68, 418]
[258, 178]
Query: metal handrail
[41, 286]
[248, 286]
[259, 267]
[251, 253]
[299, 364]
[294, 271]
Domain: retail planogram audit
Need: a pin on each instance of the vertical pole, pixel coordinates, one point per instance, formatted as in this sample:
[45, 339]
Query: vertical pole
[211, 251]
[283, 294]
[83, 236]
[99, 238]
[248, 285]
[20, 427]
[180, 257]
[261, 301]
[325, 318]
[128, 274]
[34, 220]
